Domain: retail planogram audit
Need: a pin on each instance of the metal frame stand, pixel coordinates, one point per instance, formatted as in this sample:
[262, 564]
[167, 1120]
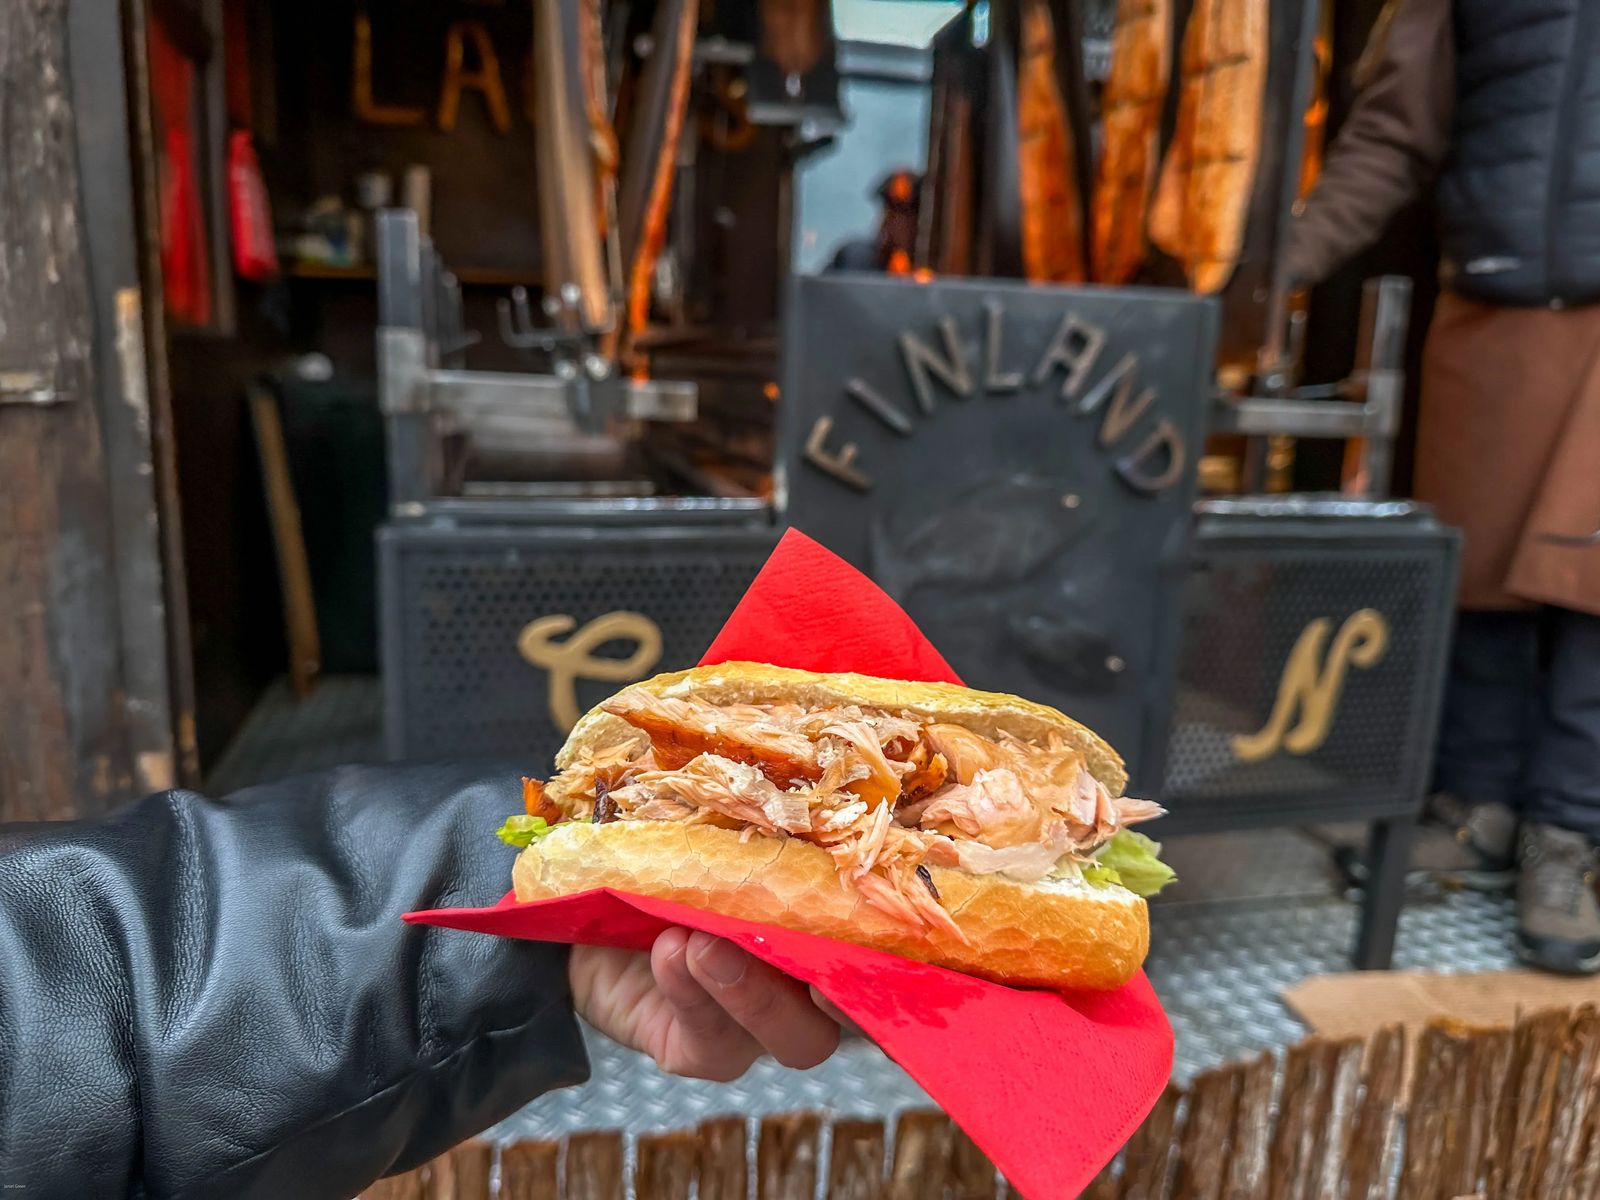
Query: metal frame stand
[1366, 406]
[1388, 855]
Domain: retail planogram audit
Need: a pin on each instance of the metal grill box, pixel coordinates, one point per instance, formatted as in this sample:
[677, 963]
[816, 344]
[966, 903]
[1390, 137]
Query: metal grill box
[1314, 641]
[495, 637]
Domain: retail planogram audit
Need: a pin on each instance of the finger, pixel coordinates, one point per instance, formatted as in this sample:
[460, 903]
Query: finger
[829, 1007]
[776, 1010]
[706, 1042]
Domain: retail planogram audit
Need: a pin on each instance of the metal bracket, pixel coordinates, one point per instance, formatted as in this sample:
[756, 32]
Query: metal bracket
[28, 387]
[1365, 406]
[402, 370]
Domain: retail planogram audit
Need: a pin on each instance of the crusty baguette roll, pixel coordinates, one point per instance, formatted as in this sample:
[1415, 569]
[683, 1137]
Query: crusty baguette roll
[1052, 934]
[1061, 932]
[988, 713]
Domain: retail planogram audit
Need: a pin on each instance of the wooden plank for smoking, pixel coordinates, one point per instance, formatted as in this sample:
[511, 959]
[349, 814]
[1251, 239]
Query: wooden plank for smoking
[1147, 1161]
[1204, 1145]
[667, 1167]
[1370, 1164]
[1575, 1075]
[439, 1178]
[398, 1187]
[1435, 1109]
[1292, 1153]
[1528, 1106]
[855, 1168]
[724, 1163]
[972, 1175]
[1487, 1068]
[288, 535]
[786, 1157]
[1586, 1176]
[1334, 1137]
[462, 1173]
[1103, 1186]
[921, 1155]
[530, 1171]
[594, 1166]
[1252, 1132]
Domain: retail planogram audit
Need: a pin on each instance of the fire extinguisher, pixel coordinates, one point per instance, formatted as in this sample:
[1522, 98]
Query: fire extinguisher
[254, 255]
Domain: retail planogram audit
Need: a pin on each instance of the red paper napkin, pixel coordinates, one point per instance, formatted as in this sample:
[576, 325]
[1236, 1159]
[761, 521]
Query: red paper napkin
[1048, 1085]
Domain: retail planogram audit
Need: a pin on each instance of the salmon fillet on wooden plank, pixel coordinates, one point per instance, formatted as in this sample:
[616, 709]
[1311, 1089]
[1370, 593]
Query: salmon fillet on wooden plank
[1052, 210]
[1203, 197]
[1136, 92]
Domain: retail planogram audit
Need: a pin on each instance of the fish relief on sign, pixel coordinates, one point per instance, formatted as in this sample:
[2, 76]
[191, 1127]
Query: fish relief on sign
[976, 556]
[1311, 685]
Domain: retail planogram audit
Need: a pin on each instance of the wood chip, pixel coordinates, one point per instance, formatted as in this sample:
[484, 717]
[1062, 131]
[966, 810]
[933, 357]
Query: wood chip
[409, 1186]
[786, 1157]
[724, 1159]
[1204, 1144]
[855, 1167]
[529, 1171]
[1147, 1163]
[667, 1166]
[1252, 1132]
[921, 1169]
[594, 1166]
[972, 1175]
[1374, 1143]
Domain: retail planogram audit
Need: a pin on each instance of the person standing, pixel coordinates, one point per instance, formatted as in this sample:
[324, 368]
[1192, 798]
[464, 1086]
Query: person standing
[1498, 105]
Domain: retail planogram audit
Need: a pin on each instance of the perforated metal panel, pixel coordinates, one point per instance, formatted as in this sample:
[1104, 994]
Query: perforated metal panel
[456, 601]
[1353, 607]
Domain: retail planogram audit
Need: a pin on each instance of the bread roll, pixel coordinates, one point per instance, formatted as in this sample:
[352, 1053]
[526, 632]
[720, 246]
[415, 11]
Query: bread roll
[1053, 934]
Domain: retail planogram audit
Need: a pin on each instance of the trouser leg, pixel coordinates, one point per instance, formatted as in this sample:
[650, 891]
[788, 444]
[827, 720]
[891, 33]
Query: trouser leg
[1562, 783]
[1491, 707]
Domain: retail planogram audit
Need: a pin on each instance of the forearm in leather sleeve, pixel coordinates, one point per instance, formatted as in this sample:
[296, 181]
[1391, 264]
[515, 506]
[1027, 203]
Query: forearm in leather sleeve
[203, 998]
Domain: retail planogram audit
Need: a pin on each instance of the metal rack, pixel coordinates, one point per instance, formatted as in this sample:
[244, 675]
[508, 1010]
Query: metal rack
[1365, 406]
[427, 397]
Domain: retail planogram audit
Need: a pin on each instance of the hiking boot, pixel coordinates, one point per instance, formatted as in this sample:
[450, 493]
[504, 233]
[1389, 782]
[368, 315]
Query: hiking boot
[1465, 845]
[1457, 845]
[1558, 917]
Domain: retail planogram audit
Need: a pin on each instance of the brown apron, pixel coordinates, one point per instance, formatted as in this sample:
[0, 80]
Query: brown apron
[1508, 448]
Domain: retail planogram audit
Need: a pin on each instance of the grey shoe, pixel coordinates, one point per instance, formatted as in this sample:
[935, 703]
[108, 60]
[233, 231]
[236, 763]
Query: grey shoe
[1458, 845]
[1558, 917]
[1465, 845]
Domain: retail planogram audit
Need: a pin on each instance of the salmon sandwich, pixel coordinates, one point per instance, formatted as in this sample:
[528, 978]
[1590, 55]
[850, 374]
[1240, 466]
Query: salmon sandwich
[977, 831]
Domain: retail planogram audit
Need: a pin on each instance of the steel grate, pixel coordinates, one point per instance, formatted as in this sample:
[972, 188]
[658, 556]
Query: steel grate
[1248, 604]
[456, 602]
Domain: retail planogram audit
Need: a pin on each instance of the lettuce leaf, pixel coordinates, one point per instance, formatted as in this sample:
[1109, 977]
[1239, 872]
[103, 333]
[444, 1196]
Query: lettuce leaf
[521, 830]
[1100, 876]
[1130, 859]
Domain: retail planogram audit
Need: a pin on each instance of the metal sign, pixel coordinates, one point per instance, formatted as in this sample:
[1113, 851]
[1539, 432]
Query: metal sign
[1015, 464]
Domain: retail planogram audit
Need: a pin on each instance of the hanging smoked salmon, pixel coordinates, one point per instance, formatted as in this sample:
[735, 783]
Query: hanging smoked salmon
[1135, 94]
[1203, 197]
[1052, 204]
[651, 158]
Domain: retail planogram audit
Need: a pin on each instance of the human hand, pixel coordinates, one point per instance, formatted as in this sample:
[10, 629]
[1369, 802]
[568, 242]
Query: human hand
[701, 1007]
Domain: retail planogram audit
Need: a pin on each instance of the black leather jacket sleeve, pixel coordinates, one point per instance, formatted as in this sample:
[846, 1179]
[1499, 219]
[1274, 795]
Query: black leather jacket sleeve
[203, 998]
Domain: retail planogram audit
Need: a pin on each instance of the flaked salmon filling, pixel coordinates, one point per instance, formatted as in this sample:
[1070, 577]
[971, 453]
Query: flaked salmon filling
[885, 795]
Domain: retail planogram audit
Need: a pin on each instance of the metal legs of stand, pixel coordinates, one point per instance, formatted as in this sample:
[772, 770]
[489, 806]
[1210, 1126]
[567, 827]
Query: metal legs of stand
[1388, 854]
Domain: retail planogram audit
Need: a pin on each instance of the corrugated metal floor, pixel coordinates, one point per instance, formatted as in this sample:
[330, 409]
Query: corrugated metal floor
[1253, 913]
